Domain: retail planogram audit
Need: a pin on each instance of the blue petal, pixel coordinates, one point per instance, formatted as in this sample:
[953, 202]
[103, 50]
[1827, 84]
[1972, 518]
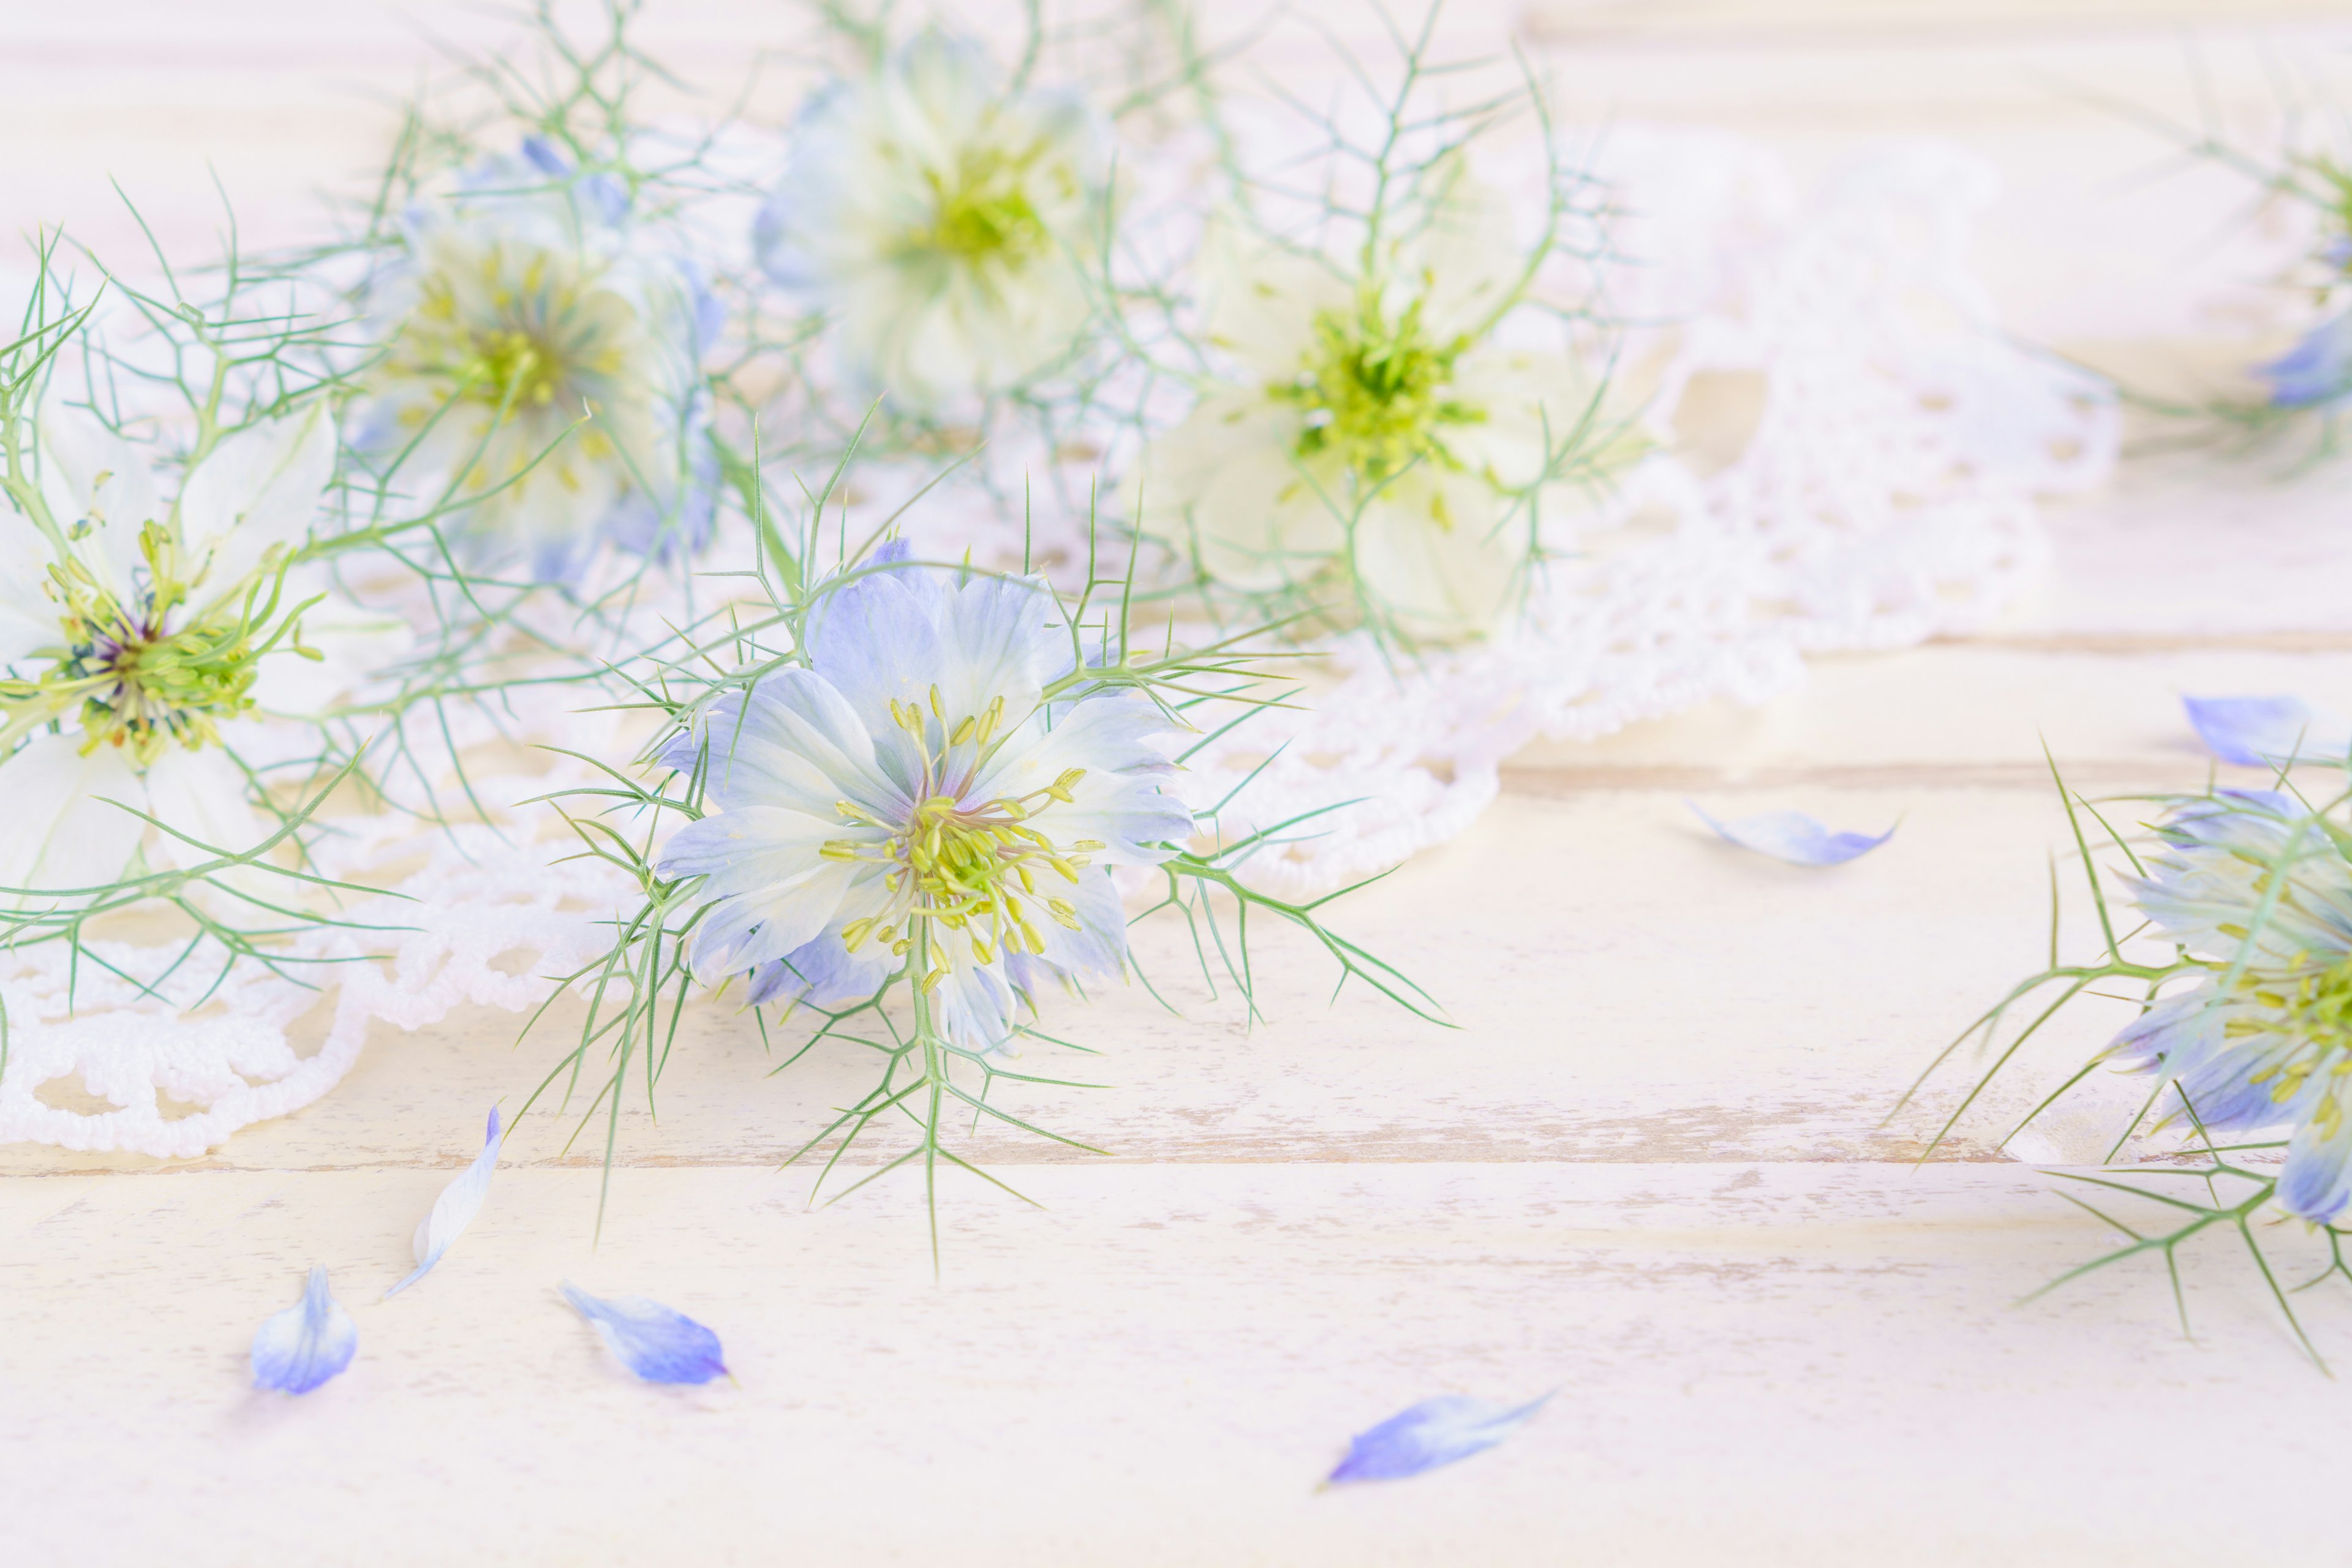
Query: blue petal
[608, 196]
[1793, 836]
[1433, 1433]
[545, 157]
[2259, 731]
[2317, 1181]
[297, 1349]
[871, 638]
[2317, 370]
[455, 1209]
[657, 1343]
[823, 974]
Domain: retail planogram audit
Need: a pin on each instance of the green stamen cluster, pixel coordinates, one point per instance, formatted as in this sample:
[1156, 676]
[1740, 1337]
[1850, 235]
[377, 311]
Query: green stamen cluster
[1375, 393]
[499, 362]
[2313, 1007]
[506, 364]
[133, 682]
[981, 212]
[974, 867]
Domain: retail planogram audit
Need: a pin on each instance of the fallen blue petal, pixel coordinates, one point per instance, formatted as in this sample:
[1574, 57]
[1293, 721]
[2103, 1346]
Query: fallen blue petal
[1793, 836]
[657, 1343]
[2263, 731]
[297, 1349]
[1433, 1433]
[455, 1209]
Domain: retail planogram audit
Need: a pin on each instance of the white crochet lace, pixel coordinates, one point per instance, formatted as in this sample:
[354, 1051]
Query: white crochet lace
[1886, 495]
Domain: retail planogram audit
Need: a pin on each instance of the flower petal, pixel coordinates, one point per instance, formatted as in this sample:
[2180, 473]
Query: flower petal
[2260, 732]
[455, 1209]
[90, 474]
[66, 826]
[2317, 370]
[658, 1344]
[297, 1349]
[1440, 551]
[1433, 1433]
[1793, 836]
[2317, 1184]
[203, 795]
[1264, 298]
[824, 972]
[259, 489]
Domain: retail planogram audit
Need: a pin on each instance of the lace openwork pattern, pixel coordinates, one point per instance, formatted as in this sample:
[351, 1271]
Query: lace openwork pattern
[1880, 489]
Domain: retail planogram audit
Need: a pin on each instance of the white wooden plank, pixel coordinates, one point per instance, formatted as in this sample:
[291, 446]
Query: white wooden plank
[1757, 1363]
[1627, 987]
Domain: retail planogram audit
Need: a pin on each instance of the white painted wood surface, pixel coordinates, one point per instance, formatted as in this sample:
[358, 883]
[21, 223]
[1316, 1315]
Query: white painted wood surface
[1648, 1170]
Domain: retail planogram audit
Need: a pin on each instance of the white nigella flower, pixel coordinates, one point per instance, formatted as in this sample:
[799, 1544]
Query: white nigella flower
[133, 630]
[913, 799]
[2275, 1050]
[523, 302]
[1379, 447]
[942, 220]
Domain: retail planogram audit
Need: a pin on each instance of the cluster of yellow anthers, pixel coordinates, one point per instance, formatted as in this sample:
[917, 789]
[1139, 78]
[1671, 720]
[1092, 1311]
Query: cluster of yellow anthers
[971, 867]
[2313, 1006]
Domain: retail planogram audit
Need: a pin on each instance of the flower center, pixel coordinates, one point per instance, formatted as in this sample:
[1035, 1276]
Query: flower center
[137, 681]
[512, 368]
[1375, 393]
[2312, 1006]
[981, 867]
[522, 335]
[983, 211]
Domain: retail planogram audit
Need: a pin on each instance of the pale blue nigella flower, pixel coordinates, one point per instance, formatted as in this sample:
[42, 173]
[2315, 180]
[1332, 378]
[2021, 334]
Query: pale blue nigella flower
[1433, 1433]
[2274, 1049]
[658, 1344]
[912, 799]
[542, 363]
[297, 1349]
[943, 219]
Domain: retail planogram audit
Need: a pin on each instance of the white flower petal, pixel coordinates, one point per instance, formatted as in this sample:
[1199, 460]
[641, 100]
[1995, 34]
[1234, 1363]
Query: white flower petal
[1258, 518]
[1437, 553]
[92, 476]
[204, 795]
[353, 643]
[60, 829]
[1465, 263]
[455, 1209]
[1264, 299]
[257, 491]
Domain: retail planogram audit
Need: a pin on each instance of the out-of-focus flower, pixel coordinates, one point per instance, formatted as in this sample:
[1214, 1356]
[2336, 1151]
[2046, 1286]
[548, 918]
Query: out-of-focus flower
[523, 304]
[1379, 453]
[943, 220]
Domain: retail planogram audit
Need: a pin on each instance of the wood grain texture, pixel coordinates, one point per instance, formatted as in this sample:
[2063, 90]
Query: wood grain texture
[1651, 1168]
